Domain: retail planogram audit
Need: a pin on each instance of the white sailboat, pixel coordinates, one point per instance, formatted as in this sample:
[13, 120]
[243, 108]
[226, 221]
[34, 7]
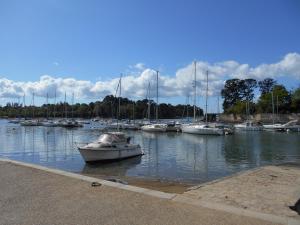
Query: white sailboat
[155, 127]
[200, 128]
[32, 122]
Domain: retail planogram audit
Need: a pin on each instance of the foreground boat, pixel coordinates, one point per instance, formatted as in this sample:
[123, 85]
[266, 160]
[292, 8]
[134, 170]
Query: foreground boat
[110, 146]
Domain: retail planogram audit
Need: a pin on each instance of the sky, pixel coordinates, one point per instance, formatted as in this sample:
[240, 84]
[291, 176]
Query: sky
[83, 46]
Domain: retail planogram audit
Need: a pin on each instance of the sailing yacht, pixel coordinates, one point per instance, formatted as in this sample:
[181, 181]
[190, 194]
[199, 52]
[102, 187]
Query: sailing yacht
[32, 122]
[155, 127]
[201, 128]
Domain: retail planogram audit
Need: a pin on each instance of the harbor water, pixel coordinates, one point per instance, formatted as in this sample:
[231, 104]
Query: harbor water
[173, 157]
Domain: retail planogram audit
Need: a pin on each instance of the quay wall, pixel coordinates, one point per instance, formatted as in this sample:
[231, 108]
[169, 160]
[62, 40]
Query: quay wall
[262, 117]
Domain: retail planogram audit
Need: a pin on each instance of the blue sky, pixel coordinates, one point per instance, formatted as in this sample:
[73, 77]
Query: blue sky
[97, 40]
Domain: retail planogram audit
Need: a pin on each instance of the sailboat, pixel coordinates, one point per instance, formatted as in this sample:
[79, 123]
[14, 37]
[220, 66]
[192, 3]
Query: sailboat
[155, 127]
[32, 122]
[70, 123]
[200, 128]
[273, 126]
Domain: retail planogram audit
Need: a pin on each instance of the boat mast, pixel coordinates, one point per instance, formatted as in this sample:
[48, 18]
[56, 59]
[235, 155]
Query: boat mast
[72, 105]
[195, 90]
[149, 104]
[119, 107]
[277, 108]
[33, 105]
[65, 105]
[206, 96]
[54, 104]
[47, 105]
[157, 96]
[24, 105]
[272, 106]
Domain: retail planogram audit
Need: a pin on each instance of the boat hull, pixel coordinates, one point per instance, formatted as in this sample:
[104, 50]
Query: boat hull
[202, 131]
[92, 155]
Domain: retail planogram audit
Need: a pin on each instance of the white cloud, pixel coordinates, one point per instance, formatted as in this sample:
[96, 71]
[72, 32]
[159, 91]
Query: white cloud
[139, 66]
[135, 84]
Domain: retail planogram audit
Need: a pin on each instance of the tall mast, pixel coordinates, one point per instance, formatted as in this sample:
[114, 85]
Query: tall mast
[65, 104]
[47, 105]
[72, 104]
[195, 90]
[119, 107]
[206, 96]
[149, 104]
[54, 104]
[277, 106]
[33, 105]
[187, 107]
[24, 105]
[272, 106]
[157, 96]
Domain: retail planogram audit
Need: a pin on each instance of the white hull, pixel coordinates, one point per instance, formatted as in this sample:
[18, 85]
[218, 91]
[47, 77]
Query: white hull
[90, 155]
[155, 128]
[194, 129]
[248, 128]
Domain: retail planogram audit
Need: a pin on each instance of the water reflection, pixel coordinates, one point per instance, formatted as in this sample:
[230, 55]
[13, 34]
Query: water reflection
[169, 156]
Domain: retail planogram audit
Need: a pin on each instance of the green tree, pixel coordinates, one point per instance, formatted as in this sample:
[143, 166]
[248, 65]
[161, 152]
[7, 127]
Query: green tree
[264, 104]
[295, 101]
[266, 85]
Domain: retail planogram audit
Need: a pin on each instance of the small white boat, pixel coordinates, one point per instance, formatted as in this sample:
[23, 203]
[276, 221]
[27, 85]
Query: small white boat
[157, 127]
[130, 126]
[273, 127]
[248, 126]
[31, 123]
[202, 129]
[49, 123]
[70, 124]
[173, 126]
[110, 146]
[114, 125]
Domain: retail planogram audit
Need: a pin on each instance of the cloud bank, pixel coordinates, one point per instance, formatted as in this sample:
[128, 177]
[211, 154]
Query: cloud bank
[135, 85]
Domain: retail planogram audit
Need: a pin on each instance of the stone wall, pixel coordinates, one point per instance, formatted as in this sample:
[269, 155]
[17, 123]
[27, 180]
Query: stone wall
[264, 118]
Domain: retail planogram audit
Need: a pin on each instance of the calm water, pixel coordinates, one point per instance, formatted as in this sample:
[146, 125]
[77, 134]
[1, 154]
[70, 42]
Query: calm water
[168, 156]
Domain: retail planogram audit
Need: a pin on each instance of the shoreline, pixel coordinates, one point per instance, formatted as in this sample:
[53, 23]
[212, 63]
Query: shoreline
[153, 184]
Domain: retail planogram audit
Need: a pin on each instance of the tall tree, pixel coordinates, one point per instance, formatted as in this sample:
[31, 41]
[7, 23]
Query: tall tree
[266, 85]
[264, 104]
[235, 92]
[248, 87]
[295, 101]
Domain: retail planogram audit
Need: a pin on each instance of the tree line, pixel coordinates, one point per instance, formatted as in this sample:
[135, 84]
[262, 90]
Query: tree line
[107, 108]
[238, 95]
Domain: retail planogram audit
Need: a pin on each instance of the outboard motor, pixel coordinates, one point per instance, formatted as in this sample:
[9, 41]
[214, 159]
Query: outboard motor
[128, 140]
